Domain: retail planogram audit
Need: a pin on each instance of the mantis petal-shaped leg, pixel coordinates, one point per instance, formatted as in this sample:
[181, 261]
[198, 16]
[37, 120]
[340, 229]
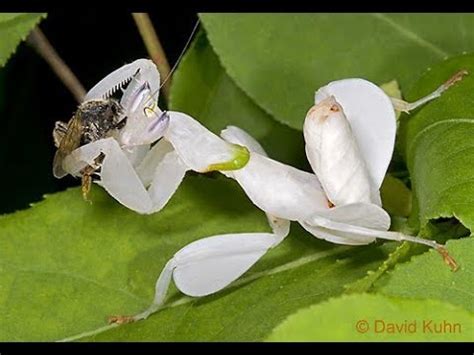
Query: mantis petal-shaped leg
[360, 214]
[167, 177]
[146, 168]
[120, 179]
[237, 135]
[362, 232]
[357, 214]
[345, 224]
[336, 237]
[200, 149]
[209, 265]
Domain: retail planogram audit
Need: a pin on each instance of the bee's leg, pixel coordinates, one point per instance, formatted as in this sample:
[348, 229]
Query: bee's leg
[87, 173]
[86, 181]
[401, 105]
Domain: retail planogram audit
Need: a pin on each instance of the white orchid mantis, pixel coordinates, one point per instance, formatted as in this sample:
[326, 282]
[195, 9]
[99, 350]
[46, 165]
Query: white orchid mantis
[349, 134]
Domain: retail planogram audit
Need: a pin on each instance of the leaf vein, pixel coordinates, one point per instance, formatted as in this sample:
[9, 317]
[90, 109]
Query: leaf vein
[412, 35]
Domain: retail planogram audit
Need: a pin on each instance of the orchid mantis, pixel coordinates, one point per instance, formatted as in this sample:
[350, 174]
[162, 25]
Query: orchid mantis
[349, 134]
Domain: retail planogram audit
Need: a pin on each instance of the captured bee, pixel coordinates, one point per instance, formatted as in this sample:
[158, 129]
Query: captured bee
[93, 120]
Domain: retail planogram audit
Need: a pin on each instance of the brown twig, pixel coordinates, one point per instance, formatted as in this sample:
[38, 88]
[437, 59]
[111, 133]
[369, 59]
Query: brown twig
[38, 40]
[154, 48]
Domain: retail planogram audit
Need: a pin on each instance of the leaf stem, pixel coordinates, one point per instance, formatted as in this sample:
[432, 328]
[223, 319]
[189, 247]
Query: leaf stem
[40, 43]
[154, 47]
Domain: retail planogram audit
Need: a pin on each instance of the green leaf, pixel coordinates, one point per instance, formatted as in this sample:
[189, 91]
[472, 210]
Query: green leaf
[66, 265]
[366, 317]
[366, 283]
[392, 89]
[280, 60]
[202, 89]
[14, 28]
[423, 278]
[396, 197]
[441, 231]
[437, 143]
[251, 308]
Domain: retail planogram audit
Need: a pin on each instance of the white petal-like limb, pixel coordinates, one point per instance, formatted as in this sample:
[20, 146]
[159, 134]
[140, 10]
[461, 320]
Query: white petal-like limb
[372, 118]
[336, 236]
[118, 177]
[349, 223]
[146, 168]
[200, 149]
[360, 214]
[357, 214]
[208, 265]
[161, 168]
[167, 177]
[237, 135]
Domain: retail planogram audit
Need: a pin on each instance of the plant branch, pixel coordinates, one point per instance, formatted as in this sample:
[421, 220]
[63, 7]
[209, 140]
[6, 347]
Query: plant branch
[40, 43]
[154, 48]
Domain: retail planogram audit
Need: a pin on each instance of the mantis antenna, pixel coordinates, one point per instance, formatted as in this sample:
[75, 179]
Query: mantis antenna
[152, 94]
[182, 53]
[179, 58]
